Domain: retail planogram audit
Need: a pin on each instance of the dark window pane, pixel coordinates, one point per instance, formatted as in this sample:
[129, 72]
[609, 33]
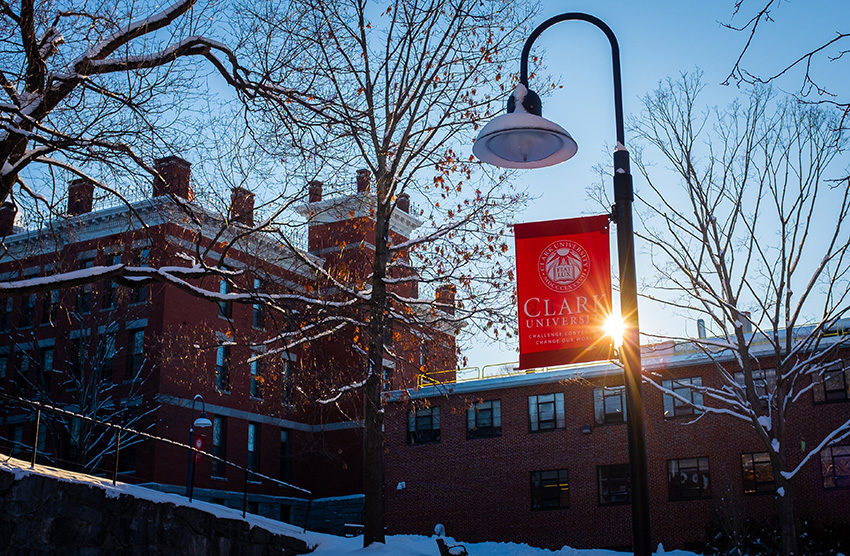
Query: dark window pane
[550, 489]
[688, 478]
[614, 484]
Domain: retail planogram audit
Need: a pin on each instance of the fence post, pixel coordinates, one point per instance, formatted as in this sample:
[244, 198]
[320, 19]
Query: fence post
[117, 452]
[245, 494]
[35, 441]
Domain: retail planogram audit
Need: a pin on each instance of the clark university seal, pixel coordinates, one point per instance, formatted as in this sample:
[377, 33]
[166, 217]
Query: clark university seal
[563, 266]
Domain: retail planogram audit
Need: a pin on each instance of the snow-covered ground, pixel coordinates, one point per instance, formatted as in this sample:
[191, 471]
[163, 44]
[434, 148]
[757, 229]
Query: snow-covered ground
[326, 545]
[415, 545]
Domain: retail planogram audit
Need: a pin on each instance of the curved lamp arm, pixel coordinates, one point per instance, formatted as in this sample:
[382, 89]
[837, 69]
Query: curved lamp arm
[615, 55]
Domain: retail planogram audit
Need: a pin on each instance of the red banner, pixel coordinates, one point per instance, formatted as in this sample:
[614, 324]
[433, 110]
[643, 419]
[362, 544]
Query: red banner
[564, 291]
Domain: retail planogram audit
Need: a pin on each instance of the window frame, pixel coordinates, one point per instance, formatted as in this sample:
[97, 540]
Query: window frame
[755, 485]
[678, 493]
[600, 397]
[602, 483]
[680, 409]
[225, 308]
[222, 369]
[135, 358]
[255, 388]
[538, 492]
[474, 412]
[258, 313]
[418, 434]
[820, 393]
[253, 438]
[219, 446]
[27, 316]
[839, 482]
[558, 414]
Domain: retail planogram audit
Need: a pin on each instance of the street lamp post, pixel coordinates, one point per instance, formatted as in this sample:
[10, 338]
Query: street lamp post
[523, 139]
[202, 422]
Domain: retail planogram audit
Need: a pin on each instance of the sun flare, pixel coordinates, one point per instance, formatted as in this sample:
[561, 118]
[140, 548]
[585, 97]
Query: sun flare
[614, 328]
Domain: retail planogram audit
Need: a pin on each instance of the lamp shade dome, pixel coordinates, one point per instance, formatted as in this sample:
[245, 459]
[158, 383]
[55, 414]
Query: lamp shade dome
[523, 140]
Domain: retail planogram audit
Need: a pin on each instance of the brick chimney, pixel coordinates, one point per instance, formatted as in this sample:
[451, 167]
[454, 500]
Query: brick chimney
[80, 196]
[314, 189]
[242, 206]
[8, 210]
[174, 173]
[403, 202]
[363, 178]
[446, 296]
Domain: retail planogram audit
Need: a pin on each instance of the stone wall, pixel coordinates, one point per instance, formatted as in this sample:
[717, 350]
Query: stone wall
[42, 515]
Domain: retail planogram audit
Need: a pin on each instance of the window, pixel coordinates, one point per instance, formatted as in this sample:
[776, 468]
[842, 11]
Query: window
[832, 384]
[76, 355]
[546, 412]
[256, 379]
[50, 307]
[286, 381]
[219, 443]
[757, 473]
[22, 364]
[764, 381]
[550, 490]
[387, 376]
[684, 387]
[105, 354]
[222, 368]
[835, 466]
[46, 371]
[27, 310]
[687, 479]
[140, 293]
[135, 353]
[225, 308]
[284, 455]
[253, 446]
[614, 484]
[609, 405]
[110, 292]
[84, 293]
[258, 313]
[6, 306]
[484, 420]
[423, 426]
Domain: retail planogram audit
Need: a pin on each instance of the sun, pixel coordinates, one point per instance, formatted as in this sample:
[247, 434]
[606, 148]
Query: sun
[614, 328]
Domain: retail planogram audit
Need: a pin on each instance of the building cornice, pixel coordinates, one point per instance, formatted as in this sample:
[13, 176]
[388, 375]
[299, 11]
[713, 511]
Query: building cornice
[360, 205]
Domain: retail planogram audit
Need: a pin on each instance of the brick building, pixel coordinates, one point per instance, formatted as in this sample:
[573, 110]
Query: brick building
[138, 353]
[542, 457]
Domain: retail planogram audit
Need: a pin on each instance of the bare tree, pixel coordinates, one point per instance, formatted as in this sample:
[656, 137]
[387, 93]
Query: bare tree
[754, 236]
[750, 18]
[404, 86]
[79, 374]
[97, 90]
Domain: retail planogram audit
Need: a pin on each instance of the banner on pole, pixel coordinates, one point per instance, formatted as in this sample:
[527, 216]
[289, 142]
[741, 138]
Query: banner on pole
[564, 291]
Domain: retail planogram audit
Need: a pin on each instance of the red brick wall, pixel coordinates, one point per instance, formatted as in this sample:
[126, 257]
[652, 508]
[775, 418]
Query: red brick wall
[480, 488]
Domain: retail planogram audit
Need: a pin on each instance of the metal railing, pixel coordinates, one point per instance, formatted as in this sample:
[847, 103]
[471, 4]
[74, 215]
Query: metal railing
[495, 370]
[39, 407]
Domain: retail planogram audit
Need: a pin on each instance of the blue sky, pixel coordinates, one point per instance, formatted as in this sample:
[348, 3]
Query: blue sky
[658, 39]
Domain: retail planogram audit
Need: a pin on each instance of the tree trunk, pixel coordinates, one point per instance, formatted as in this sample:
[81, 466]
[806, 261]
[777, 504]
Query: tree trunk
[373, 465]
[787, 523]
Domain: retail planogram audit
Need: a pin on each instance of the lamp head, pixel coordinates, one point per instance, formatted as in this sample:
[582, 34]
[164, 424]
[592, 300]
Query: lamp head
[522, 138]
[202, 422]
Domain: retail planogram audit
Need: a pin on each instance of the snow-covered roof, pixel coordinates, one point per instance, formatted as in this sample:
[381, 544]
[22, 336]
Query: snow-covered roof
[654, 357]
[357, 205]
[154, 211]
